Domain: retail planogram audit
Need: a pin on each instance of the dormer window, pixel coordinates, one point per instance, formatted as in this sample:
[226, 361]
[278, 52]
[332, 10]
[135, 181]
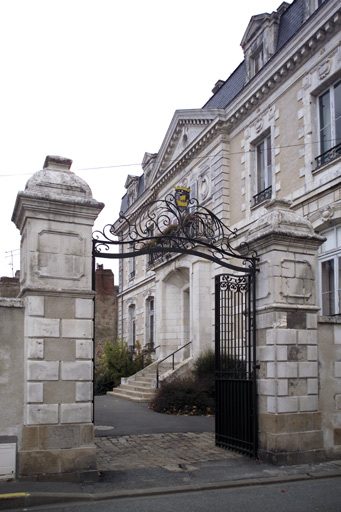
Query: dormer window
[260, 40]
[256, 61]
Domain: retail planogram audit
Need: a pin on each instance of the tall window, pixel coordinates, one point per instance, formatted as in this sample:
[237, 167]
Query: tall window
[263, 166]
[329, 104]
[151, 323]
[132, 263]
[132, 327]
[330, 272]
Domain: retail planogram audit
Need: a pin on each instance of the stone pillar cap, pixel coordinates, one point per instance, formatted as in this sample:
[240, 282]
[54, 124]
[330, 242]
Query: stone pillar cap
[281, 220]
[56, 179]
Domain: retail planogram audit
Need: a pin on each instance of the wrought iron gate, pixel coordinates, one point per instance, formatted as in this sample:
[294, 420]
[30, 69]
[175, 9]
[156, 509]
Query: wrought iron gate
[172, 225]
[236, 405]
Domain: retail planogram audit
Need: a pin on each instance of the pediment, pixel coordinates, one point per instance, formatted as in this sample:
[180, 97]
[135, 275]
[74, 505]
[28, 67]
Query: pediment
[254, 25]
[130, 179]
[184, 128]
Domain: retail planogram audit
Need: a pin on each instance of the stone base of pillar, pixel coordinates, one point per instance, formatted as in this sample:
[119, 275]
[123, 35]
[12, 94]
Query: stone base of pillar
[52, 450]
[291, 438]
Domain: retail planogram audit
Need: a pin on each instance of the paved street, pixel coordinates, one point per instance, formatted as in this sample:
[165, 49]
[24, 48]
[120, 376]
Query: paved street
[170, 451]
[131, 436]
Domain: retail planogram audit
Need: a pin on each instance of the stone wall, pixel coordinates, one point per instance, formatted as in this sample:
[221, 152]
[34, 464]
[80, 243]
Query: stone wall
[329, 355]
[106, 310]
[11, 369]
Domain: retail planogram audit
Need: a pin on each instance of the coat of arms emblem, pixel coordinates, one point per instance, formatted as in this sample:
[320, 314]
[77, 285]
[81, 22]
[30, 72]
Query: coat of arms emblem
[182, 197]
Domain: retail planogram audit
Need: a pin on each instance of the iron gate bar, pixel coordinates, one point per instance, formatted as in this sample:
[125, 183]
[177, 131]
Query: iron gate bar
[236, 393]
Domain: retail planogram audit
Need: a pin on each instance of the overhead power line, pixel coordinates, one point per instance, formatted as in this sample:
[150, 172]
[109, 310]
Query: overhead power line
[115, 166]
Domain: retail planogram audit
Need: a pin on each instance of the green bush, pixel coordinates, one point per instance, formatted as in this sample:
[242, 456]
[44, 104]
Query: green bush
[117, 362]
[193, 396]
[204, 365]
[184, 396]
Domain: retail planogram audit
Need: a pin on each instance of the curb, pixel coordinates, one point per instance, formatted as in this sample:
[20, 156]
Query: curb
[26, 499]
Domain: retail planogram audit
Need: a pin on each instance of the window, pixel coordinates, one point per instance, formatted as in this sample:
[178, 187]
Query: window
[257, 61]
[263, 167]
[132, 262]
[151, 323]
[132, 327]
[329, 105]
[330, 272]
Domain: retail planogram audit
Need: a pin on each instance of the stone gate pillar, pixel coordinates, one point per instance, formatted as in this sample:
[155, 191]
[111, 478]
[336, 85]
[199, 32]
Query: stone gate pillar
[289, 416]
[55, 215]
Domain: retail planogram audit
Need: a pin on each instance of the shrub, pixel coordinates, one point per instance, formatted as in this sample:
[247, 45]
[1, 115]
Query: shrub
[117, 362]
[184, 396]
[204, 365]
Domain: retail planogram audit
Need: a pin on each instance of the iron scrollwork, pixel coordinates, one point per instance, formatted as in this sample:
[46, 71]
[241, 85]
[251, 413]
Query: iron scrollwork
[163, 227]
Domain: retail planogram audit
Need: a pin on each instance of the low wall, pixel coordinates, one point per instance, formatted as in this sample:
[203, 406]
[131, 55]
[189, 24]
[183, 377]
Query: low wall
[11, 371]
[329, 332]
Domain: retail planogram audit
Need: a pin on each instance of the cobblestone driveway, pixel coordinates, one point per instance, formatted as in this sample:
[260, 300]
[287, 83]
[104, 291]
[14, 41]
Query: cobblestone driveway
[158, 450]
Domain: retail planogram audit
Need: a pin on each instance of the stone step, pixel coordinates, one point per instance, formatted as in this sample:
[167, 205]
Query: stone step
[134, 397]
[131, 386]
[139, 388]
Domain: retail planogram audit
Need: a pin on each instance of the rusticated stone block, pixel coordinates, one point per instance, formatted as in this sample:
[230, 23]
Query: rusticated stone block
[337, 436]
[78, 459]
[56, 349]
[59, 307]
[30, 437]
[77, 328]
[57, 392]
[296, 320]
[76, 413]
[311, 440]
[55, 437]
[84, 308]
[84, 349]
[38, 462]
[35, 306]
[84, 391]
[42, 370]
[35, 348]
[42, 414]
[78, 370]
[87, 434]
[308, 403]
[42, 327]
[297, 387]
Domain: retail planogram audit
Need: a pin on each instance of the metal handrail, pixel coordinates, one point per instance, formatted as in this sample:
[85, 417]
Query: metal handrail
[164, 359]
[145, 354]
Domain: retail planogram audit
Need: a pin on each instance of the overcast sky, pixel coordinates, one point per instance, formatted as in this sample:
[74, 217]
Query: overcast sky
[98, 81]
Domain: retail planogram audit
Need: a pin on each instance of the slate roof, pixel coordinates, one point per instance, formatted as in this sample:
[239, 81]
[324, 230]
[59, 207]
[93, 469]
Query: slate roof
[290, 23]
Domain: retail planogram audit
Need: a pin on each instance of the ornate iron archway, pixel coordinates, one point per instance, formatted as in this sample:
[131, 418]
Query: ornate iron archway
[182, 226]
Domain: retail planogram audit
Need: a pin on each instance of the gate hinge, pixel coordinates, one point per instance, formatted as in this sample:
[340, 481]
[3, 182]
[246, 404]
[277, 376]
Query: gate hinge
[256, 366]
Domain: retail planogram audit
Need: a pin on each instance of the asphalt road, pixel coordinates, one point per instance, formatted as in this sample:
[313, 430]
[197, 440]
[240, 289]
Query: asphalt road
[322, 495]
[120, 417]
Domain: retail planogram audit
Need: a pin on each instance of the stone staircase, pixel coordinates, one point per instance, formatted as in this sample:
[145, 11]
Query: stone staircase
[141, 387]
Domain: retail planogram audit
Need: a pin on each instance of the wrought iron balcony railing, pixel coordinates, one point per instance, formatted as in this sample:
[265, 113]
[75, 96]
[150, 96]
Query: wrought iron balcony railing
[328, 156]
[264, 194]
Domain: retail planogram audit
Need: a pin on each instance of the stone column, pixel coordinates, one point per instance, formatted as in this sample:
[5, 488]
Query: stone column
[289, 415]
[55, 215]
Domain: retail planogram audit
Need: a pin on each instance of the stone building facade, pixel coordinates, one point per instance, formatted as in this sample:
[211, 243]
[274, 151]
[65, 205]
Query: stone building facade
[264, 154]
